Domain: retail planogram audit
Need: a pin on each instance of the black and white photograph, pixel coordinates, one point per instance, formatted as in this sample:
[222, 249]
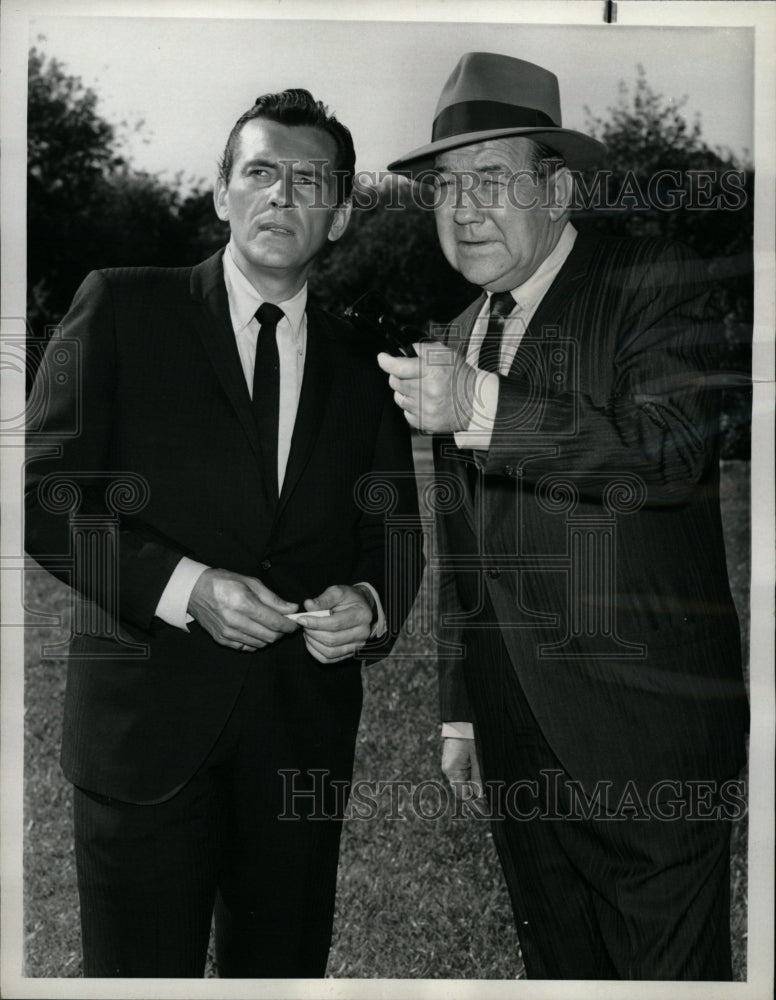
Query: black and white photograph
[388, 545]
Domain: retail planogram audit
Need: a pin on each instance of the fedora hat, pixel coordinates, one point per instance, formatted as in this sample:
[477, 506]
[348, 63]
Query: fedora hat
[491, 96]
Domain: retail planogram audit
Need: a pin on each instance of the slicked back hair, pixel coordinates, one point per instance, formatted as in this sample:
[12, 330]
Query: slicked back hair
[297, 107]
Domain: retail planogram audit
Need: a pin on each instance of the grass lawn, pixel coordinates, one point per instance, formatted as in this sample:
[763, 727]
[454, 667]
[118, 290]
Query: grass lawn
[418, 898]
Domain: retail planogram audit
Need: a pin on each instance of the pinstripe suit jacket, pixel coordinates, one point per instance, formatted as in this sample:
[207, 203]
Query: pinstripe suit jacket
[594, 526]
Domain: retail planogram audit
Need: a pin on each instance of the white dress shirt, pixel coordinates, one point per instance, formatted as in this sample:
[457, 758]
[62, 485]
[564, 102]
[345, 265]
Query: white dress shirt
[244, 301]
[480, 430]
[527, 298]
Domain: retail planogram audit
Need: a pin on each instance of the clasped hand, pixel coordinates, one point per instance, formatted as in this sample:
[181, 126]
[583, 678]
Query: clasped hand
[242, 613]
[436, 390]
[344, 631]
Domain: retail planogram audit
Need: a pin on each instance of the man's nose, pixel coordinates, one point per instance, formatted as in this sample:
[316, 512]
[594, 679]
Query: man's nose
[467, 207]
[281, 191]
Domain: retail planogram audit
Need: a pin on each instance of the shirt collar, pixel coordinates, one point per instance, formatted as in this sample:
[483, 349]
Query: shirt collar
[244, 300]
[530, 293]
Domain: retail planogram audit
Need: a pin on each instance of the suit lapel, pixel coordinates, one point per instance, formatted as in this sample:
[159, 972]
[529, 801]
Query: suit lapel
[213, 325]
[460, 341]
[563, 289]
[447, 451]
[316, 381]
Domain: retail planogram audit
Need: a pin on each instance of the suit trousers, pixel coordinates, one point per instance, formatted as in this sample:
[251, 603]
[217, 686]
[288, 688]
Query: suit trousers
[253, 835]
[613, 896]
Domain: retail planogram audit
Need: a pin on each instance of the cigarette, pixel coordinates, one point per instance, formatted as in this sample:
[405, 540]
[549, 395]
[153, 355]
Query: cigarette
[309, 614]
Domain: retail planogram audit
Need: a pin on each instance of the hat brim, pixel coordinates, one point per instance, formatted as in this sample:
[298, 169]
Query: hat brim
[577, 149]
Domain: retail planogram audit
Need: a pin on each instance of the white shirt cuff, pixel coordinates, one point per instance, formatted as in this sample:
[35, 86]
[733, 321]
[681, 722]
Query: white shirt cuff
[174, 602]
[379, 628]
[484, 406]
[458, 730]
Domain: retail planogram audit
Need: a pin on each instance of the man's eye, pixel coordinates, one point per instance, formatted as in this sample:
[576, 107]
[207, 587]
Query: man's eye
[261, 172]
[299, 181]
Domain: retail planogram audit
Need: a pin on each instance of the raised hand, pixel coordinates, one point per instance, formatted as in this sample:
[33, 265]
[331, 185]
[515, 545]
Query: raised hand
[436, 390]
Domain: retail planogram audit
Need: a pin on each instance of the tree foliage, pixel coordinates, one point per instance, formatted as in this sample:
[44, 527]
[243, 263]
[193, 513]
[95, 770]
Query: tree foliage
[666, 181]
[391, 246]
[86, 205]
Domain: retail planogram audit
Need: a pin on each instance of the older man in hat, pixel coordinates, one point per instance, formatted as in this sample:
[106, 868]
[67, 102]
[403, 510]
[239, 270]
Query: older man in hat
[588, 629]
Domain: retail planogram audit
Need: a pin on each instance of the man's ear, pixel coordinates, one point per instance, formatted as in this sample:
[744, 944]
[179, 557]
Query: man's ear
[340, 220]
[220, 200]
[562, 193]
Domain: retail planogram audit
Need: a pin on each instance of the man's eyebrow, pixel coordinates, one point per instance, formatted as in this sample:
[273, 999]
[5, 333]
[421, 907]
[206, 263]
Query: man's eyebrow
[486, 168]
[304, 168]
[493, 168]
[297, 166]
[260, 161]
[305, 171]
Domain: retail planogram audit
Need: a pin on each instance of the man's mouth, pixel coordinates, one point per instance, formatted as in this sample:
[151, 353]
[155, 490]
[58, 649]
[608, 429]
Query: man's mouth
[473, 244]
[274, 227]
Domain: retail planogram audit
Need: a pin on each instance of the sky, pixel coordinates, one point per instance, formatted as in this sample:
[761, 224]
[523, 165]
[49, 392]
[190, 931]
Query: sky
[180, 82]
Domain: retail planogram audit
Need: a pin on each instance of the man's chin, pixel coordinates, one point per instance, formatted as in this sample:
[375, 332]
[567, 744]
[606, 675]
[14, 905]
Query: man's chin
[273, 261]
[480, 275]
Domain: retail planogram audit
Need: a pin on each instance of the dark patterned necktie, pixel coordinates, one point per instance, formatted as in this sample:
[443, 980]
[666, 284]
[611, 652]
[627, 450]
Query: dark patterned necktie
[501, 305]
[266, 389]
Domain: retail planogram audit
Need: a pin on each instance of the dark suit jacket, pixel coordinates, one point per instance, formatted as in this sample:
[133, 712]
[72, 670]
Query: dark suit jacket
[597, 524]
[145, 384]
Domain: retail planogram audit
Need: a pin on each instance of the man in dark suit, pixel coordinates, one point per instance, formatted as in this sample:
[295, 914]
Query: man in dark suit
[587, 624]
[197, 473]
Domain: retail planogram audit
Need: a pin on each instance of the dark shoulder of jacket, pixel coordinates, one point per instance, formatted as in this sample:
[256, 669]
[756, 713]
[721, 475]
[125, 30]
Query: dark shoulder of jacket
[625, 263]
[146, 276]
[129, 288]
[635, 250]
[342, 333]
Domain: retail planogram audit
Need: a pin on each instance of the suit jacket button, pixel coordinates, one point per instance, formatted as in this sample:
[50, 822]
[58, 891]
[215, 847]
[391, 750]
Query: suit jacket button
[266, 564]
[493, 574]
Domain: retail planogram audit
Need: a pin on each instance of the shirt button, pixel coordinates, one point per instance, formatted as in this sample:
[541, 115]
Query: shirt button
[266, 564]
[509, 470]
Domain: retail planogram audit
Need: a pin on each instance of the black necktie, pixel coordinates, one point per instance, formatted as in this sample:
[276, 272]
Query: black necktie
[501, 305]
[266, 389]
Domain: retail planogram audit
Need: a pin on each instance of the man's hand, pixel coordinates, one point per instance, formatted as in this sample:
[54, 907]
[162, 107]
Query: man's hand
[436, 390]
[239, 611]
[345, 630]
[461, 768]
